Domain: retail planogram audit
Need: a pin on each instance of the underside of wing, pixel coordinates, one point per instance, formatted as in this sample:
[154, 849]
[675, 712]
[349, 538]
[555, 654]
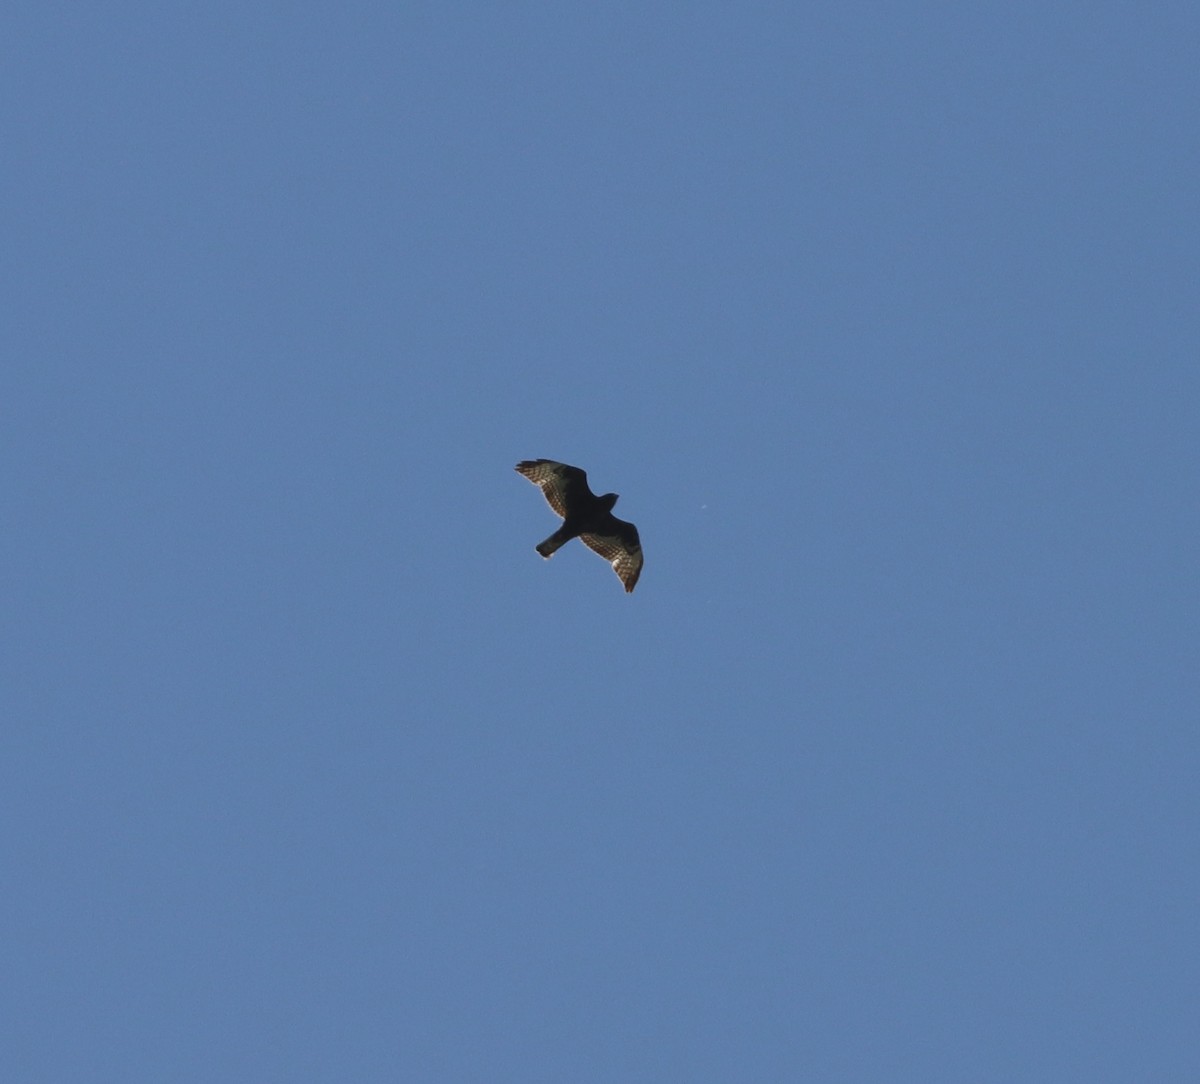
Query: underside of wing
[560, 483]
[619, 545]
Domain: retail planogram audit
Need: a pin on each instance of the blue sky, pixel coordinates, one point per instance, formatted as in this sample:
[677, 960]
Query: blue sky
[881, 318]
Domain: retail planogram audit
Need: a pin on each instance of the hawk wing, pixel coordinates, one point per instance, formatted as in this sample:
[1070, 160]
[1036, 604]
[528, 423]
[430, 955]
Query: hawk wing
[619, 545]
[561, 485]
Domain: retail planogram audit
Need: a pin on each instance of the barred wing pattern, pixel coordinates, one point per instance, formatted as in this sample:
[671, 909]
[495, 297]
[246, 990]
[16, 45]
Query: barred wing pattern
[622, 550]
[560, 485]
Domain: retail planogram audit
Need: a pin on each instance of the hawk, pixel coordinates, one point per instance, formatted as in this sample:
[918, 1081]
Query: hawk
[585, 516]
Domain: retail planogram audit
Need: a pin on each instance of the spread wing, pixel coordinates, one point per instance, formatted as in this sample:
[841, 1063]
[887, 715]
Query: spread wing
[562, 486]
[618, 543]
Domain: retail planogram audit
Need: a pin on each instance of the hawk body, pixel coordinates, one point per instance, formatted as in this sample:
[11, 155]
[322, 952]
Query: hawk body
[586, 517]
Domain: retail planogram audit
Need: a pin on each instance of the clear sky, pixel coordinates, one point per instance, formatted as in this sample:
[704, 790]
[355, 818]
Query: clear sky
[883, 321]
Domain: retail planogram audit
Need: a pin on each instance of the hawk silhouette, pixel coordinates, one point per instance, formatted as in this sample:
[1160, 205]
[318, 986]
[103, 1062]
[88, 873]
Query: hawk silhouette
[585, 516]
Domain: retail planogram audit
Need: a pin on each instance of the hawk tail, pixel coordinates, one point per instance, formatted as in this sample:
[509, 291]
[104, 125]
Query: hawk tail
[552, 544]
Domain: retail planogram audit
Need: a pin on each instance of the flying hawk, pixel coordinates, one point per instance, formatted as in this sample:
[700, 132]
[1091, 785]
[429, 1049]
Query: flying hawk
[585, 516]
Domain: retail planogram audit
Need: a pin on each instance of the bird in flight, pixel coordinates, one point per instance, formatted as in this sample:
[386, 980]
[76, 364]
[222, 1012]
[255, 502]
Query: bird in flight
[585, 516]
